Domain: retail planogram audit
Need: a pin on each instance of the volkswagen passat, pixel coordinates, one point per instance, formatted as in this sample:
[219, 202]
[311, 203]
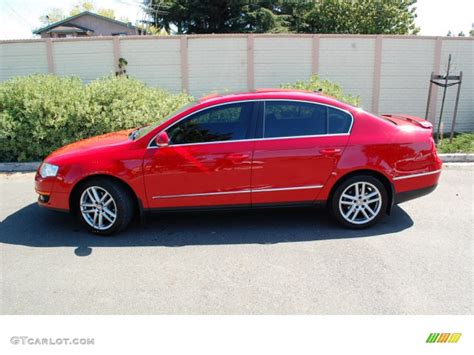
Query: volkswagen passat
[263, 148]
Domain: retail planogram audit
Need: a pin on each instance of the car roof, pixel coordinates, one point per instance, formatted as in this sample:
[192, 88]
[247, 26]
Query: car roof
[283, 94]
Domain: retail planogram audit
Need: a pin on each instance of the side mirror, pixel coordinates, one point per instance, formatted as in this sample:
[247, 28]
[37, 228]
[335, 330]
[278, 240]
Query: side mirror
[162, 139]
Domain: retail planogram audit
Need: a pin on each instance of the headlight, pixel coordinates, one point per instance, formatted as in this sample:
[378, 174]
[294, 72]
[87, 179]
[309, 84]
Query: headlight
[48, 170]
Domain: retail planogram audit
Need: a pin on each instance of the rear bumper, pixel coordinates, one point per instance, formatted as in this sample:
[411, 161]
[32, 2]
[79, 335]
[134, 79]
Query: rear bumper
[401, 197]
[416, 181]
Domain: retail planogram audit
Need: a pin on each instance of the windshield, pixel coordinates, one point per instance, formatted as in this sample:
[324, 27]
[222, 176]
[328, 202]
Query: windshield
[140, 132]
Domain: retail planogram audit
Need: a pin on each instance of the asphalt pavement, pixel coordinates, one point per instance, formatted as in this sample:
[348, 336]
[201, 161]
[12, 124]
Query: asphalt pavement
[419, 260]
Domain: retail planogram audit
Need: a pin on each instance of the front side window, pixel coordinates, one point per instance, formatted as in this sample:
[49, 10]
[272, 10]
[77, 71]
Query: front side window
[216, 124]
[293, 119]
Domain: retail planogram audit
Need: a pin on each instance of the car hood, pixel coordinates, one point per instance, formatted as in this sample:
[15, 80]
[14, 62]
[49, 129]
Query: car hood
[93, 143]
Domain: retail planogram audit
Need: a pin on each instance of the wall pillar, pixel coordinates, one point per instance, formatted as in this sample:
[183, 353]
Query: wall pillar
[116, 44]
[377, 75]
[434, 89]
[250, 62]
[315, 54]
[49, 55]
[184, 64]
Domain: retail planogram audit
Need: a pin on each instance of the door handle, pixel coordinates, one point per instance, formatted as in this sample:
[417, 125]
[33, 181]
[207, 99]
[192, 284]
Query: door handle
[237, 157]
[330, 151]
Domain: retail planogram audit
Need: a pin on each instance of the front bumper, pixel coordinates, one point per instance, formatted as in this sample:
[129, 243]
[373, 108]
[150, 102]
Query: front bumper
[48, 197]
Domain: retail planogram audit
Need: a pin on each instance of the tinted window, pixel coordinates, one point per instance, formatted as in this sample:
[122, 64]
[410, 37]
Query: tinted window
[222, 123]
[339, 121]
[287, 118]
[144, 130]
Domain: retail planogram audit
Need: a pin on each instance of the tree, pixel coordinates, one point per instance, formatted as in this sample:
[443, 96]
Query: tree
[108, 13]
[82, 6]
[56, 14]
[356, 17]
[310, 16]
[449, 34]
[151, 29]
[471, 33]
[85, 5]
[216, 16]
[461, 34]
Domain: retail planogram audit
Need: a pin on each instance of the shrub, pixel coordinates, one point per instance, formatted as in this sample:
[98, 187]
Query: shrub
[461, 143]
[325, 86]
[119, 103]
[39, 113]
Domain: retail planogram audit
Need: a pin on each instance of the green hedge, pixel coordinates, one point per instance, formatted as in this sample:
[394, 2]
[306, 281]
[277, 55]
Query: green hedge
[40, 113]
[325, 86]
[461, 143]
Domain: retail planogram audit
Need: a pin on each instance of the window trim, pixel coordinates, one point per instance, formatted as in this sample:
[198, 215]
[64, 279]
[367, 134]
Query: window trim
[261, 117]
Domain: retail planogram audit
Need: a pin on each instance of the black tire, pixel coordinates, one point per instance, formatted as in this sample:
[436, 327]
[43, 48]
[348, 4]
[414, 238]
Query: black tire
[123, 204]
[360, 208]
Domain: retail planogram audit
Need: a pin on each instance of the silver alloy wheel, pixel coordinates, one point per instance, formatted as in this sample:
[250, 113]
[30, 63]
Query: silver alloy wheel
[360, 202]
[98, 208]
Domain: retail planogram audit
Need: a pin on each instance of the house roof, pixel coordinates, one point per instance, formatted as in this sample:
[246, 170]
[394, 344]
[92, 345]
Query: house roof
[58, 23]
[70, 29]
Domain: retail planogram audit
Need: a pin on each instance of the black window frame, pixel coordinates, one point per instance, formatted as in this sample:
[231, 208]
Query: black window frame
[262, 113]
[250, 130]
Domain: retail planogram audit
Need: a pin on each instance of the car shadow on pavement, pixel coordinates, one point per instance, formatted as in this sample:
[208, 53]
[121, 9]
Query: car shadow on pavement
[36, 227]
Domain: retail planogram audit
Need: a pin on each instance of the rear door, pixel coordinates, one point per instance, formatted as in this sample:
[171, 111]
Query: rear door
[299, 147]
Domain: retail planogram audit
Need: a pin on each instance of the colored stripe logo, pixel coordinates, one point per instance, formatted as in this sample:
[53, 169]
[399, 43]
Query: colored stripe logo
[443, 337]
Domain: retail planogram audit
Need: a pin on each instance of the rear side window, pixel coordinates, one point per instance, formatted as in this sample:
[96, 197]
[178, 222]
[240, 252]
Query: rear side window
[338, 121]
[293, 118]
[216, 124]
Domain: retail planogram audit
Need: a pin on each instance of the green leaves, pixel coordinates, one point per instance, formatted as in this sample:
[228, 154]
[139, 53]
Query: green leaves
[326, 87]
[461, 143]
[308, 16]
[40, 113]
[357, 17]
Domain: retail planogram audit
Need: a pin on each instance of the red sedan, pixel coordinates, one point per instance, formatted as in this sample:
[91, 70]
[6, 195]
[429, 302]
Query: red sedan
[264, 148]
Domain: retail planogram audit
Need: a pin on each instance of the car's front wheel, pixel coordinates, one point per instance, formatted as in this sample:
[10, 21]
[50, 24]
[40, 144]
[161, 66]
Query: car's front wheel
[104, 206]
[359, 202]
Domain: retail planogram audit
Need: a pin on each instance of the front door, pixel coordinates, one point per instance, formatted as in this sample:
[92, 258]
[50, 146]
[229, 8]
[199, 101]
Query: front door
[208, 160]
[300, 147]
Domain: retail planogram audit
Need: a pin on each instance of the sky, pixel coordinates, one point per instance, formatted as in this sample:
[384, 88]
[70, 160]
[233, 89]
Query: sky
[19, 17]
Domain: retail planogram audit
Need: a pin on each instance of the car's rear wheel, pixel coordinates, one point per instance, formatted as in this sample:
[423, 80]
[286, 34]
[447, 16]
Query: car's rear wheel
[359, 202]
[104, 206]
